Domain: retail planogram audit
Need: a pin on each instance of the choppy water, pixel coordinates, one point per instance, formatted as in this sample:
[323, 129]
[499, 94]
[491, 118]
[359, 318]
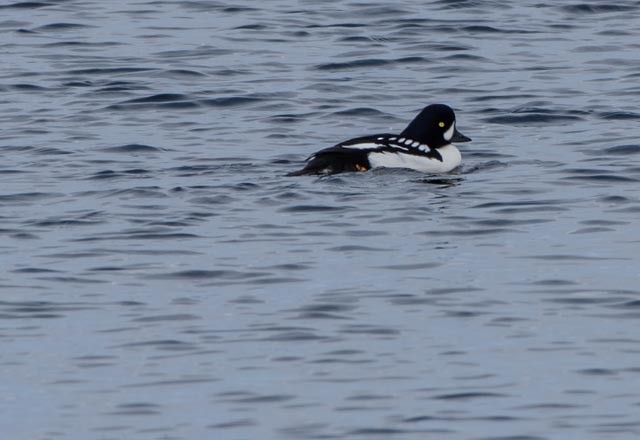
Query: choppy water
[162, 279]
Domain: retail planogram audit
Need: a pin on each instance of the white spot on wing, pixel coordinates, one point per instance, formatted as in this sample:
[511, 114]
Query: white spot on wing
[363, 146]
[401, 140]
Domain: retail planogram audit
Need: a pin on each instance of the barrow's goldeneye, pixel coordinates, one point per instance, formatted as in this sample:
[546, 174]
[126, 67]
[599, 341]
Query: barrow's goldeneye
[425, 145]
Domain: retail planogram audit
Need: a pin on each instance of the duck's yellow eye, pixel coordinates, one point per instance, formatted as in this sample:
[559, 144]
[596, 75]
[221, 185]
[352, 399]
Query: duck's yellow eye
[441, 124]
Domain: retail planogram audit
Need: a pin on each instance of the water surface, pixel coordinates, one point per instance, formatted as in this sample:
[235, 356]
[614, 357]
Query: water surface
[162, 278]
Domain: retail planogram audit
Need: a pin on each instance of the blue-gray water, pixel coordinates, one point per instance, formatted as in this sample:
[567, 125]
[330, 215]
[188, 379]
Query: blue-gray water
[161, 278]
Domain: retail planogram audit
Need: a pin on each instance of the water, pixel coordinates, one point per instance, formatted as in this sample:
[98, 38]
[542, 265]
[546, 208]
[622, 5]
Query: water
[162, 278]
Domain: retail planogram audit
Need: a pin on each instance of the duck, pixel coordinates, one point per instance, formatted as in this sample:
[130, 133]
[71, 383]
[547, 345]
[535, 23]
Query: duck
[426, 145]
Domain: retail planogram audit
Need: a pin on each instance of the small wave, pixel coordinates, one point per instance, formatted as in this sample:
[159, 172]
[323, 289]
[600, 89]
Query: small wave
[78, 84]
[183, 73]
[50, 151]
[415, 266]
[235, 423]
[467, 396]
[138, 236]
[199, 53]
[462, 4]
[623, 150]
[570, 257]
[133, 148]
[337, 25]
[169, 317]
[286, 118]
[61, 27]
[633, 304]
[252, 27]
[584, 8]
[58, 222]
[31, 270]
[478, 29]
[377, 432]
[110, 174]
[359, 111]
[232, 101]
[533, 117]
[439, 181]
[177, 105]
[220, 199]
[199, 170]
[372, 62]
[355, 248]
[237, 9]
[134, 409]
[465, 57]
[194, 274]
[597, 372]
[602, 178]
[617, 116]
[617, 200]
[161, 97]
[26, 5]
[255, 398]
[541, 203]
[109, 70]
[180, 101]
[26, 197]
[203, 6]
[38, 309]
[469, 232]
[515, 96]
[312, 208]
[27, 87]
[229, 72]
[82, 44]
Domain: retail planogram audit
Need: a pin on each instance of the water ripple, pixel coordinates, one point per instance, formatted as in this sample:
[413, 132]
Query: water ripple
[164, 279]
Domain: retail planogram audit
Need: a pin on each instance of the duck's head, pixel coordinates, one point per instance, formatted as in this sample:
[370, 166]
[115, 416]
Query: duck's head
[435, 126]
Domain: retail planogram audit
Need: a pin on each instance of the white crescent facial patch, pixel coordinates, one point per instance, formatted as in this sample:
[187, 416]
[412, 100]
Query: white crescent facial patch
[449, 133]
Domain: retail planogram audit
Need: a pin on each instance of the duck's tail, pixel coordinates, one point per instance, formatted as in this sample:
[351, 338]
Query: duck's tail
[334, 163]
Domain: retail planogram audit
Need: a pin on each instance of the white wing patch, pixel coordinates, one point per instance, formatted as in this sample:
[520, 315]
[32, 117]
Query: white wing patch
[364, 146]
[400, 145]
[405, 144]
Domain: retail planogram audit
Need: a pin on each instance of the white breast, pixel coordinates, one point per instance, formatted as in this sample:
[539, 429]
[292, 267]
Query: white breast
[451, 158]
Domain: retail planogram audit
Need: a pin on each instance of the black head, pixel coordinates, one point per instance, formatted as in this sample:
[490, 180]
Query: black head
[435, 126]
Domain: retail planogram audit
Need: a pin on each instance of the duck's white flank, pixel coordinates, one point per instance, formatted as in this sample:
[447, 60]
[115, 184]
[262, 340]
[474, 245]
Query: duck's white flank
[451, 158]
